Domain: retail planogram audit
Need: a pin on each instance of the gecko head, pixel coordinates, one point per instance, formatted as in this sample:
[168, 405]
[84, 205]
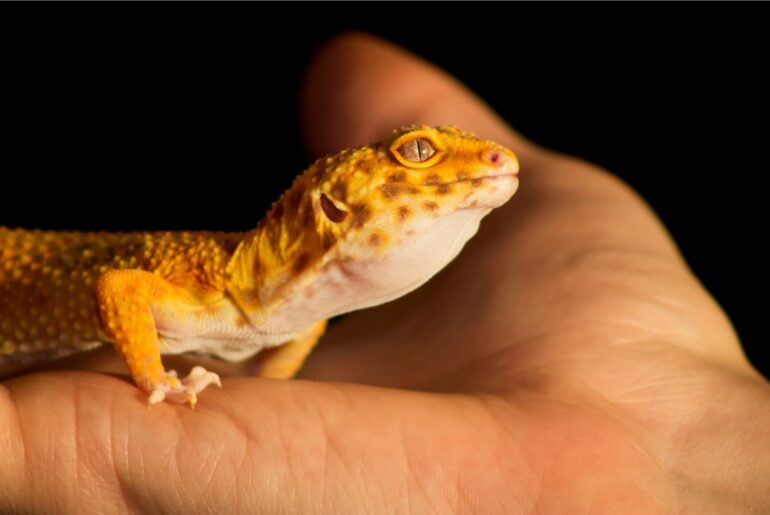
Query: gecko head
[371, 223]
[378, 198]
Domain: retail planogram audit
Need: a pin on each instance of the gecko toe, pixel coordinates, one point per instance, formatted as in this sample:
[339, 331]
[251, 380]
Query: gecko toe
[184, 391]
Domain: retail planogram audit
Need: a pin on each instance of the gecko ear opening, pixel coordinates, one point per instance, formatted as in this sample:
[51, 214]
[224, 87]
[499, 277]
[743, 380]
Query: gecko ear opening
[332, 212]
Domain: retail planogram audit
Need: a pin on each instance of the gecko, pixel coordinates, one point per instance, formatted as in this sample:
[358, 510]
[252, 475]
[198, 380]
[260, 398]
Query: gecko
[354, 230]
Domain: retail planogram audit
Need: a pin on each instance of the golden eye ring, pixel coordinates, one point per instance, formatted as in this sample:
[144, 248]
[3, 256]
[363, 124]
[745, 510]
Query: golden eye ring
[417, 150]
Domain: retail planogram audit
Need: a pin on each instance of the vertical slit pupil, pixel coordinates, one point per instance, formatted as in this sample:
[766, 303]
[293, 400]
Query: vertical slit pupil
[422, 151]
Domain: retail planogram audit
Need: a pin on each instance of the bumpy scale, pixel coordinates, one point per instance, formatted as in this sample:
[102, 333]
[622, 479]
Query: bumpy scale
[356, 229]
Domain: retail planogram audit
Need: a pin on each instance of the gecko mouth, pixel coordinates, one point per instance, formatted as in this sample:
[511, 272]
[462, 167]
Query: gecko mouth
[498, 175]
[479, 180]
[501, 188]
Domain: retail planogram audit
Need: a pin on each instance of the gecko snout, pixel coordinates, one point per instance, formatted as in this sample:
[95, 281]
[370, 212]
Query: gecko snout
[503, 160]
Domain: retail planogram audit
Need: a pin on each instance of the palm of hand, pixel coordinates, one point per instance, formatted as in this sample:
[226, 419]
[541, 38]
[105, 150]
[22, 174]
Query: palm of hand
[567, 360]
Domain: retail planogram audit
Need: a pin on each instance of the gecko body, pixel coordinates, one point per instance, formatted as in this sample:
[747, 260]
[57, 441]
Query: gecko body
[356, 229]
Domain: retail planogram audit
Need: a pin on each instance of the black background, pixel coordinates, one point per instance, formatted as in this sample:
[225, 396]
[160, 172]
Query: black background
[133, 117]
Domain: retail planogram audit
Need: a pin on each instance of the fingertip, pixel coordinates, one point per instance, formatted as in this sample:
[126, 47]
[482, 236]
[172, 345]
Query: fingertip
[347, 96]
[359, 87]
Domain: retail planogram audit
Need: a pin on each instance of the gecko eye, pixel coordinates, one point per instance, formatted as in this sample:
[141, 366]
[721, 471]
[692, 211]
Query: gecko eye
[416, 150]
[331, 211]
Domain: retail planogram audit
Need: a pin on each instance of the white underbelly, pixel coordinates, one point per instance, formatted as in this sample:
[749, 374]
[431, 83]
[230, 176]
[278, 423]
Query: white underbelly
[215, 332]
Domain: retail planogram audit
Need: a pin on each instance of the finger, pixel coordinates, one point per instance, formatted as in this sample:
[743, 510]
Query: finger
[261, 446]
[359, 88]
[575, 245]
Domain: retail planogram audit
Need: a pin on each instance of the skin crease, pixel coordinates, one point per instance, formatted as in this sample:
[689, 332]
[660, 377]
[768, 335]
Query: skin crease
[567, 362]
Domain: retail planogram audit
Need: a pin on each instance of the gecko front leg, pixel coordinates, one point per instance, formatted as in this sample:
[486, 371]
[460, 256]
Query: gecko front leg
[126, 299]
[285, 361]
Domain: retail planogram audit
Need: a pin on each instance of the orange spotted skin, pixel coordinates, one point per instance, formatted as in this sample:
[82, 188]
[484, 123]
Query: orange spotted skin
[48, 302]
[234, 294]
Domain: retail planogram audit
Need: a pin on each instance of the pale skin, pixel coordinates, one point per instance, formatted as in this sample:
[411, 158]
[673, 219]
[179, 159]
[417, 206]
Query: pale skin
[567, 361]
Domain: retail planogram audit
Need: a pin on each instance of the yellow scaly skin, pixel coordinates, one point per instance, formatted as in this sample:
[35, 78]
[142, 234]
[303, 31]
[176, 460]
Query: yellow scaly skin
[354, 230]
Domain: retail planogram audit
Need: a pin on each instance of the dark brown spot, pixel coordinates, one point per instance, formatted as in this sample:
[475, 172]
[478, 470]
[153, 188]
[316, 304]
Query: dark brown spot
[374, 239]
[432, 179]
[404, 212]
[430, 205]
[476, 183]
[307, 217]
[328, 240]
[301, 263]
[361, 213]
[397, 177]
[295, 198]
[443, 189]
[390, 190]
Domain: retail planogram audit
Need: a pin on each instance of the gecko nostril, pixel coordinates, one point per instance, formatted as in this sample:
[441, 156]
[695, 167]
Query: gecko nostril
[501, 161]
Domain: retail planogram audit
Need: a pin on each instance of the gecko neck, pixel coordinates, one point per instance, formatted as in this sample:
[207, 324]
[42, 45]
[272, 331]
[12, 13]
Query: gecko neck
[267, 260]
[241, 273]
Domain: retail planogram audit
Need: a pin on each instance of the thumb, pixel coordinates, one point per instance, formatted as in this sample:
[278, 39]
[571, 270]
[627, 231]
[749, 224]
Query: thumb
[359, 88]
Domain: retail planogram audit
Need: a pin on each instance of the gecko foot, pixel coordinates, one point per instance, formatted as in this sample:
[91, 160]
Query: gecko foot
[183, 391]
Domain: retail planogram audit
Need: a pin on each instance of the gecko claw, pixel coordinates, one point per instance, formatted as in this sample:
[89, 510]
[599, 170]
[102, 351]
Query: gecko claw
[183, 391]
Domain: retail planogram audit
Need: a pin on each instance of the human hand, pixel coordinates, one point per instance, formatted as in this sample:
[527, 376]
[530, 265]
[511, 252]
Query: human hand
[566, 361]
